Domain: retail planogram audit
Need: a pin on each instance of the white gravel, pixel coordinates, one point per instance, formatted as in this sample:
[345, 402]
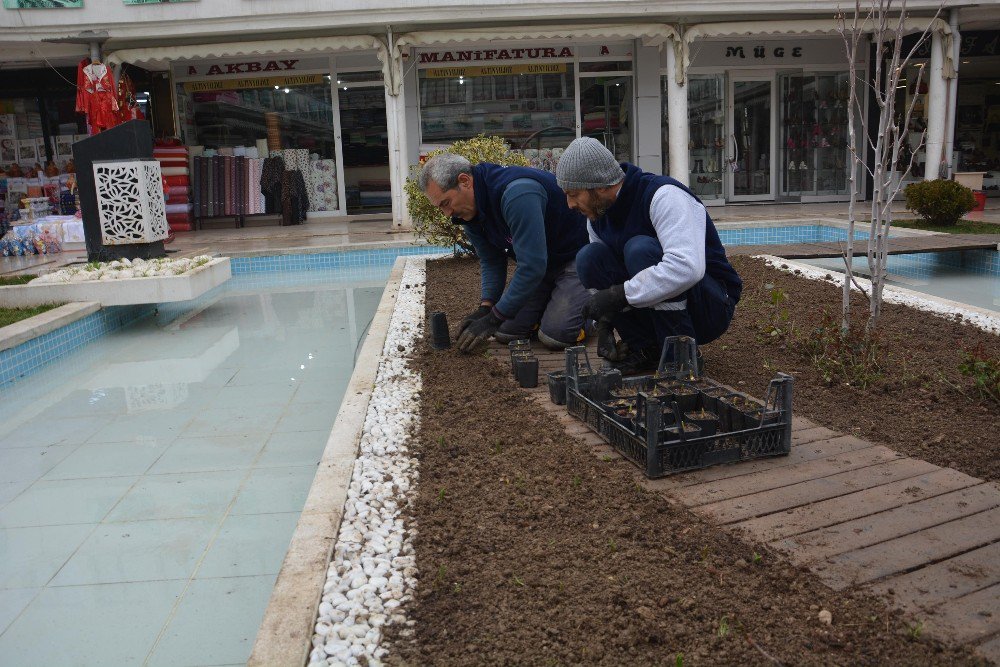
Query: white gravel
[373, 571]
[978, 317]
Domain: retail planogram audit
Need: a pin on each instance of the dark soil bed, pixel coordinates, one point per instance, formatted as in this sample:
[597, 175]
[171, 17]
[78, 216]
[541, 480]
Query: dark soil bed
[532, 550]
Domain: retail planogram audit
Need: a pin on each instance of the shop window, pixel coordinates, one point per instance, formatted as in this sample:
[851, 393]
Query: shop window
[977, 121]
[296, 114]
[813, 115]
[531, 110]
[706, 127]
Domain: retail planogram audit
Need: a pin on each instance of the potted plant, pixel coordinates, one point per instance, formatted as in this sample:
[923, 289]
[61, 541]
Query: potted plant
[707, 421]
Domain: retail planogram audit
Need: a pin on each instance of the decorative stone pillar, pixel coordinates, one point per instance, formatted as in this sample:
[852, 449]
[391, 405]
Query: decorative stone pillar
[130, 201]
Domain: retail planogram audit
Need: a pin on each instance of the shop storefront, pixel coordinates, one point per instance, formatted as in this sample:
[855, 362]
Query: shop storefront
[767, 120]
[977, 114]
[324, 115]
[539, 96]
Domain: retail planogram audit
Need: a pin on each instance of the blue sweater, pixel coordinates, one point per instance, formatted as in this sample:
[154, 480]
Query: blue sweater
[629, 217]
[521, 213]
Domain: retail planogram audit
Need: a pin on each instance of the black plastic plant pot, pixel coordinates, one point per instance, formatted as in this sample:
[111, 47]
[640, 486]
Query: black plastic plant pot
[624, 416]
[517, 356]
[526, 372]
[730, 418]
[686, 398]
[440, 336]
[708, 422]
[604, 381]
[710, 398]
[624, 392]
[619, 404]
[673, 433]
[557, 387]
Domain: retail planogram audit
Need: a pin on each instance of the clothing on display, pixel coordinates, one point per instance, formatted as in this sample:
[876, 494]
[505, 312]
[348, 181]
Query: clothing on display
[97, 95]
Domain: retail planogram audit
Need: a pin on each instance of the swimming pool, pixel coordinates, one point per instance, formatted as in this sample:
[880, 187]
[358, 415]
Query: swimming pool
[966, 276]
[785, 234]
[151, 478]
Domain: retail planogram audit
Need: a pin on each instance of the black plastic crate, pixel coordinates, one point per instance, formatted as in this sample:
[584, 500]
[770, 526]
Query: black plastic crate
[765, 431]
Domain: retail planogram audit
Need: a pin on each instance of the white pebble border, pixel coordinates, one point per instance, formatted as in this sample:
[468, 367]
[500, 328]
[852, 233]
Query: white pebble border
[373, 569]
[891, 294]
[122, 269]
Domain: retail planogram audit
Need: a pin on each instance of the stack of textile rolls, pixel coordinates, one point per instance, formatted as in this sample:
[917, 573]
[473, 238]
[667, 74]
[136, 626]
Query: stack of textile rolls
[176, 178]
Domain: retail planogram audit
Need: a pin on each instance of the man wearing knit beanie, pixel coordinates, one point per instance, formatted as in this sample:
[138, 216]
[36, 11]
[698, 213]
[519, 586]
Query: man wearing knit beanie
[655, 265]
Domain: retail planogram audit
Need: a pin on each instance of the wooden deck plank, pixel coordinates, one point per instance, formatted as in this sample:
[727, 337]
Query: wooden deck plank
[968, 619]
[856, 505]
[784, 476]
[990, 650]
[935, 584]
[807, 451]
[814, 490]
[910, 551]
[890, 524]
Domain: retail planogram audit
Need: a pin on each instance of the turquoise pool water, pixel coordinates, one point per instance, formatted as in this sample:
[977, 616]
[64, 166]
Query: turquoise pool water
[150, 479]
[966, 276]
[785, 234]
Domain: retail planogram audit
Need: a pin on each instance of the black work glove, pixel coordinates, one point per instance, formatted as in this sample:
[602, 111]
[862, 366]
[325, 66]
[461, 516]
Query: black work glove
[477, 335]
[478, 313]
[607, 347]
[606, 303]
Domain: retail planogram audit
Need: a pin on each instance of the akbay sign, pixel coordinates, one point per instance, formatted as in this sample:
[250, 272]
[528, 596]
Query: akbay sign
[264, 65]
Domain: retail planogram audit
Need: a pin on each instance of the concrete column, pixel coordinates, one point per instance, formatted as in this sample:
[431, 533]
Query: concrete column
[648, 109]
[949, 128]
[677, 120]
[936, 101]
[394, 106]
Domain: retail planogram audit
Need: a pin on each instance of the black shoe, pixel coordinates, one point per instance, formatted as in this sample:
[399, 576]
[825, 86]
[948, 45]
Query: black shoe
[645, 360]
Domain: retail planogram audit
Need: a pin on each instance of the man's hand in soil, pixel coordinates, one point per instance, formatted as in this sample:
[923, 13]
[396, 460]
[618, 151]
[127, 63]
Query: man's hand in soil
[477, 335]
[607, 347]
[606, 303]
[477, 314]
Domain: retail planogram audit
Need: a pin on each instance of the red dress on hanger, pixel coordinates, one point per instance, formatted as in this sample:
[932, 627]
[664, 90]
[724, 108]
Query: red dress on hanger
[128, 107]
[100, 101]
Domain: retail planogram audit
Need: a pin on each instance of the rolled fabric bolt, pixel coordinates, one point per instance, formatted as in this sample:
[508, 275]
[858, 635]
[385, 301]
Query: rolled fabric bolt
[527, 372]
[440, 336]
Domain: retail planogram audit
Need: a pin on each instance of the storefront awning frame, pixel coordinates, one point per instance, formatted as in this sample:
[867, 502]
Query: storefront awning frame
[160, 57]
[806, 27]
[651, 34]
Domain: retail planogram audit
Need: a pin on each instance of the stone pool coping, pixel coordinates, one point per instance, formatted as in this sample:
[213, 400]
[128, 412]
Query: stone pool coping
[285, 633]
[124, 292]
[17, 333]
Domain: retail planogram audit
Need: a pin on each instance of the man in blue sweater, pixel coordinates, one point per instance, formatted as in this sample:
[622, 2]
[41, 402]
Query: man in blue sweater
[521, 213]
[655, 265]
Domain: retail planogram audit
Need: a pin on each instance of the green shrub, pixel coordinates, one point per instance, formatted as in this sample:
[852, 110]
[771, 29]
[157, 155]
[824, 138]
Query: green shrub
[939, 202]
[431, 224]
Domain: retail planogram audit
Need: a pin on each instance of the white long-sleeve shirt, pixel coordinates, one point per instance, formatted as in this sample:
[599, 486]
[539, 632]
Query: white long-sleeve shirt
[679, 222]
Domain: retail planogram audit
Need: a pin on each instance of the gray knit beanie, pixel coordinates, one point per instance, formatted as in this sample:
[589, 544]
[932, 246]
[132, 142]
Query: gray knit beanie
[587, 164]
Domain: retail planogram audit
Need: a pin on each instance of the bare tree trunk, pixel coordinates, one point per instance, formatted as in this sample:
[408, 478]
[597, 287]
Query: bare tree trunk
[890, 134]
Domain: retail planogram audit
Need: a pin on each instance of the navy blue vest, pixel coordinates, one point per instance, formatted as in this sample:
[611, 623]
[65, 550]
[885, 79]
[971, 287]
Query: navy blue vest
[565, 229]
[629, 217]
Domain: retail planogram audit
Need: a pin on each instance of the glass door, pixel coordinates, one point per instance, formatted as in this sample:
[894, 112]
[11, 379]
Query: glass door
[606, 113]
[365, 145]
[794, 158]
[750, 139]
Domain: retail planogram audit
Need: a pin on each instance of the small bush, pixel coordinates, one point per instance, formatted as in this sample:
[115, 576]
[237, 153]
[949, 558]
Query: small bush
[939, 202]
[984, 371]
[431, 224]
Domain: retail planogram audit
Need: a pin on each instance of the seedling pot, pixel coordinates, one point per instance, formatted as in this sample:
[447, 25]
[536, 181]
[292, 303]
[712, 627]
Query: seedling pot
[708, 422]
[440, 336]
[557, 387]
[526, 372]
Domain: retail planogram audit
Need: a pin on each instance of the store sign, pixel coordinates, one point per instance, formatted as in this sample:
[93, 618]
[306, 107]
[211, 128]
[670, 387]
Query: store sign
[494, 54]
[242, 68]
[254, 82]
[492, 70]
[785, 53]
